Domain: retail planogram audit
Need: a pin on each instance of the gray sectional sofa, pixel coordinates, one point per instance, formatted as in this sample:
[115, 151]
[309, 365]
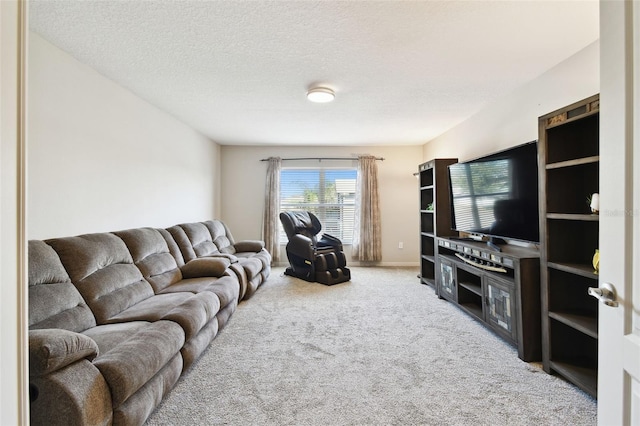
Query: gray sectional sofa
[115, 318]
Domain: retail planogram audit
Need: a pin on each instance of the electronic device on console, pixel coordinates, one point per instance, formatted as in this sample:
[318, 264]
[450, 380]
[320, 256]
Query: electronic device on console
[481, 258]
[496, 196]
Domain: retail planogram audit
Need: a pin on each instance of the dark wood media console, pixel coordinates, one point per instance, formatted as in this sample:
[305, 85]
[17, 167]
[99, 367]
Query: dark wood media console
[500, 289]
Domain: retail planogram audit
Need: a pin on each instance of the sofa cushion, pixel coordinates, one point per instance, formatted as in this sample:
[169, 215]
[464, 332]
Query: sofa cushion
[173, 246]
[252, 266]
[263, 256]
[102, 270]
[184, 308]
[53, 349]
[182, 241]
[194, 314]
[200, 239]
[220, 235]
[232, 258]
[241, 275]
[139, 406]
[225, 242]
[226, 288]
[132, 363]
[109, 336]
[54, 302]
[151, 255]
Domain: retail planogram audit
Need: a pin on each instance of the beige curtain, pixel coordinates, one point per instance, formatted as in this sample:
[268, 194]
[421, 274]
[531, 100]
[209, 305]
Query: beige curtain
[367, 245]
[270, 217]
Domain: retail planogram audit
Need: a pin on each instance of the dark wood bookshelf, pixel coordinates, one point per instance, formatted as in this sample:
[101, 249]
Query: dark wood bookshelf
[573, 216]
[585, 378]
[576, 162]
[435, 213]
[584, 322]
[585, 270]
[569, 166]
[429, 258]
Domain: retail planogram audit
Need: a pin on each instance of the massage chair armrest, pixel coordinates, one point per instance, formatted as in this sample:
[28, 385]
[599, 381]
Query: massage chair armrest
[54, 349]
[301, 246]
[328, 240]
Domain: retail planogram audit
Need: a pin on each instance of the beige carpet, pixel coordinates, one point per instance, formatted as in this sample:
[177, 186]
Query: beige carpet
[379, 350]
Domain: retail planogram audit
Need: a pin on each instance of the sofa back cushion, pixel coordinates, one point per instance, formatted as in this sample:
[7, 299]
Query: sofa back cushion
[220, 235]
[182, 241]
[200, 239]
[173, 246]
[151, 255]
[103, 271]
[54, 302]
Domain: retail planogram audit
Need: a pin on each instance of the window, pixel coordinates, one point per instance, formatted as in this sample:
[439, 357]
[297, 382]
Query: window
[328, 193]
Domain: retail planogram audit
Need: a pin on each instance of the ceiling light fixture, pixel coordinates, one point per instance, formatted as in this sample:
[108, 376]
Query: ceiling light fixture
[320, 94]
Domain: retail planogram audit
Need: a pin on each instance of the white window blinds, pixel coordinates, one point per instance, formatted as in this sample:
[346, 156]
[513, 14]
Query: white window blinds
[326, 192]
[476, 188]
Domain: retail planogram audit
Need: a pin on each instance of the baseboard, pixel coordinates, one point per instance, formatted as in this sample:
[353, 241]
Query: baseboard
[365, 264]
[396, 264]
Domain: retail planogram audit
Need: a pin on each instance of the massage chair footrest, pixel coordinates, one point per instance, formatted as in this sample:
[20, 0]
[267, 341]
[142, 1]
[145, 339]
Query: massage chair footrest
[330, 277]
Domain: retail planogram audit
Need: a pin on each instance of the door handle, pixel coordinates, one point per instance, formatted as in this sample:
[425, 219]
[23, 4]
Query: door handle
[605, 293]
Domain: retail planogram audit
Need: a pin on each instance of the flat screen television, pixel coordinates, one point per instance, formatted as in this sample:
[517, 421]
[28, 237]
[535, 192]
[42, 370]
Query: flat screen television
[497, 195]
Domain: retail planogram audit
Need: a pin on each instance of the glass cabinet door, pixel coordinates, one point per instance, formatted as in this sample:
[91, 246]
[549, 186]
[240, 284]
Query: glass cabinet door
[447, 280]
[500, 312]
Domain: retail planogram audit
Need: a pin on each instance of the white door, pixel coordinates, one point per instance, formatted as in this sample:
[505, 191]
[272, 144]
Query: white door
[619, 327]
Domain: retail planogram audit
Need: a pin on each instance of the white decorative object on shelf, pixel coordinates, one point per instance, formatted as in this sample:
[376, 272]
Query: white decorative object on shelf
[595, 203]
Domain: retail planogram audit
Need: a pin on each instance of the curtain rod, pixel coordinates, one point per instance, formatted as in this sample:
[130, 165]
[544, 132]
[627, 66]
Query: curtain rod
[321, 158]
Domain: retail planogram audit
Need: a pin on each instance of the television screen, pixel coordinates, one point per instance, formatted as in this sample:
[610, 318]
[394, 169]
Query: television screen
[497, 195]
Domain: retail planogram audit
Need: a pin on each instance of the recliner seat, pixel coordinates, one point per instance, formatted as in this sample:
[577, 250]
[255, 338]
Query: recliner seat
[116, 317]
[101, 268]
[97, 374]
[250, 261]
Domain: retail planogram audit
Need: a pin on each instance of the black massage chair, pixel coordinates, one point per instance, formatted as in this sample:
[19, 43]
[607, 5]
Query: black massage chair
[312, 259]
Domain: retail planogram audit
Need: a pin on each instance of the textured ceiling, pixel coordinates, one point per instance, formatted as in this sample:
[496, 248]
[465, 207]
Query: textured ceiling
[237, 71]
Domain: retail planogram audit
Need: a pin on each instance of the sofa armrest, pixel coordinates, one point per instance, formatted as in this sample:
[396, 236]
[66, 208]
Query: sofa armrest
[205, 267]
[54, 349]
[249, 246]
[74, 395]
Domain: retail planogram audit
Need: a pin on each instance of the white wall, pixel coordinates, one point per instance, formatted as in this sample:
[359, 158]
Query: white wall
[509, 121]
[513, 119]
[12, 352]
[243, 186]
[102, 159]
